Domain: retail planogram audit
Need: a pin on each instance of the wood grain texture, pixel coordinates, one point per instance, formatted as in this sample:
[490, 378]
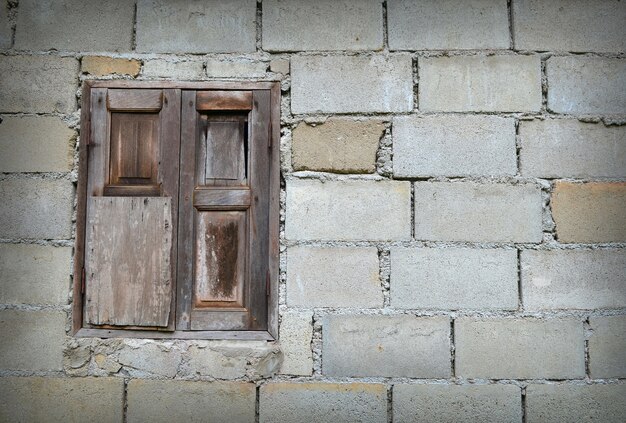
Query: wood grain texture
[204, 85]
[134, 100]
[225, 151]
[129, 278]
[224, 100]
[214, 199]
[274, 210]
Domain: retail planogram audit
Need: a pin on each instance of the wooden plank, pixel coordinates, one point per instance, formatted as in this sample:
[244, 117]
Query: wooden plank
[274, 210]
[220, 255]
[207, 199]
[145, 100]
[98, 143]
[224, 100]
[185, 85]
[225, 151]
[132, 190]
[246, 335]
[134, 148]
[129, 278]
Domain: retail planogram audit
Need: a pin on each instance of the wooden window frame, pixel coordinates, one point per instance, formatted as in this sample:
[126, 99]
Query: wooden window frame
[78, 327]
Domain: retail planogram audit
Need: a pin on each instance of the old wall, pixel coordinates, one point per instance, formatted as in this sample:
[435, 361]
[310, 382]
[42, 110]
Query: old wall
[453, 220]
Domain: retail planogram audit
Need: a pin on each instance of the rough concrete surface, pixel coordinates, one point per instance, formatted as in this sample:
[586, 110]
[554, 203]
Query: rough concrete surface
[235, 69]
[5, 29]
[322, 25]
[453, 145]
[607, 347]
[453, 278]
[296, 331]
[333, 277]
[185, 70]
[102, 65]
[391, 346]
[323, 402]
[35, 144]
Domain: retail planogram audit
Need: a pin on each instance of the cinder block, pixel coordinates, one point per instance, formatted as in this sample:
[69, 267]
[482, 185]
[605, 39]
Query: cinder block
[210, 26]
[519, 348]
[588, 213]
[38, 84]
[348, 210]
[573, 279]
[586, 85]
[569, 148]
[388, 346]
[333, 277]
[102, 65]
[36, 208]
[146, 359]
[343, 84]
[296, 331]
[322, 25]
[607, 347]
[177, 401]
[174, 70]
[565, 25]
[35, 144]
[75, 25]
[454, 403]
[338, 145]
[323, 402]
[34, 274]
[576, 403]
[453, 278]
[453, 145]
[480, 84]
[447, 25]
[468, 211]
[32, 340]
[5, 29]
[235, 69]
[70, 400]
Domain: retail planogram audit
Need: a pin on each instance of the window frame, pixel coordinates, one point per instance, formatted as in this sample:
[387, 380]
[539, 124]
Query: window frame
[274, 189]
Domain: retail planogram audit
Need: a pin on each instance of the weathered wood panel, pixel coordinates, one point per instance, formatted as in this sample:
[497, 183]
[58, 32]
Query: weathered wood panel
[220, 258]
[224, 100]
[134, 148]
[127, 268]
[135, 100]
[225, 151]
[216, 198]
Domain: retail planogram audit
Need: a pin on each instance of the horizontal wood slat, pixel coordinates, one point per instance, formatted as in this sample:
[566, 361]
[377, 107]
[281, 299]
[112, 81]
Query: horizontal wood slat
[215, 198]
[224, 100]
[132, 190]
[119, 100]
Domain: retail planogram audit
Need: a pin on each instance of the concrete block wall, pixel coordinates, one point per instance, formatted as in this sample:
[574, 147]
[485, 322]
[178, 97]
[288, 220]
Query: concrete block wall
[453, 225]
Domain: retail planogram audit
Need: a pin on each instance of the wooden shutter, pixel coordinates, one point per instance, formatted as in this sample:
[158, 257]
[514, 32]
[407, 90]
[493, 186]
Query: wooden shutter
[223, 244]
[132, 208]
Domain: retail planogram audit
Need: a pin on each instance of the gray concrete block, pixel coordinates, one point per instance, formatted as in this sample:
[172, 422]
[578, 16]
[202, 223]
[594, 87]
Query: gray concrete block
[348, 210]
[519, 348]
[453, 145]
[566, 25]
[343, 84]
[323, 402]
[147, 359]
[177, 401]
[480, 84]
[75, 25]
[187, 70]
[338, 145]
[576, 403]
[6, 33]
[322, 25]
[36, 208]
[296, 331]
[457, 404]
[558, 148]
[35, 144]
[210, 26]
[53, 399]
[447, 25]
[453, 278]
[34, 274]
[573, 279]
[32, 340]
[586, 85]
[607, 347]
[333, 277]
[389, 346]
[38, 84]
[468, 211]
[588, 213]
[235, 69]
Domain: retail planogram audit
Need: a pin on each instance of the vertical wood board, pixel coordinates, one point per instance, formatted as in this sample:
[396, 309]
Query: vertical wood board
[225, 151]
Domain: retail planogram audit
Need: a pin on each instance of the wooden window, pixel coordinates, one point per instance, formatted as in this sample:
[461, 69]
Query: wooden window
[177, 228]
